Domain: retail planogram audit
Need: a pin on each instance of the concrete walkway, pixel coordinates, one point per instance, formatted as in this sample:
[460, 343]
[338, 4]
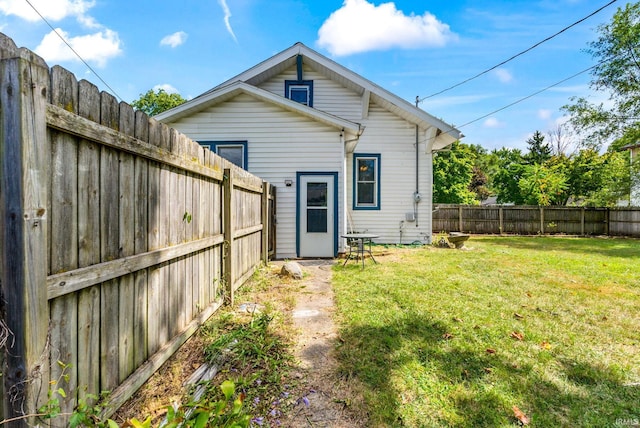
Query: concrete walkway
[313, 316]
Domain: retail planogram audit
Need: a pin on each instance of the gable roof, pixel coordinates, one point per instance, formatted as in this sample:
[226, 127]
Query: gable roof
[224, 93]
[286, 59]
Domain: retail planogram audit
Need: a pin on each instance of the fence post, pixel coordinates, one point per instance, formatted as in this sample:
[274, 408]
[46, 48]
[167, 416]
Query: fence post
[582, 222]
[265, 222]
[227, 219]
[272, 220]
[24, 171]
[501, 216]
[541, 220]
[460, 218]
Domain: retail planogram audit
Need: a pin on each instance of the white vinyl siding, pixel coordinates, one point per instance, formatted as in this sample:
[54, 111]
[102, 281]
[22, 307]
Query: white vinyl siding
[328, 95]
[280, 143]
[394, 139]
[635, 179]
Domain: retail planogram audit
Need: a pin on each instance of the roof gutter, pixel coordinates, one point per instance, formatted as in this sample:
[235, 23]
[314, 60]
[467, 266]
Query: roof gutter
[349, 147]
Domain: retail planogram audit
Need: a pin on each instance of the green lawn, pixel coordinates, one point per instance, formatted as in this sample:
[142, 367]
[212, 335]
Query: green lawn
[442, 337]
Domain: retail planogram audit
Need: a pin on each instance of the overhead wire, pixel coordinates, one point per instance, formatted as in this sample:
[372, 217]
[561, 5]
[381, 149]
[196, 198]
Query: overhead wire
[454, 128]
[529, 96]
[74, 51]
[518, 54]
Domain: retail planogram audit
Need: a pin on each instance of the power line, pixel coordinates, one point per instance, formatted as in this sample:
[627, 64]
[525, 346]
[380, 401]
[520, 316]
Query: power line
[452, 128]
[529, 96]
[518, 54]
[74, 51]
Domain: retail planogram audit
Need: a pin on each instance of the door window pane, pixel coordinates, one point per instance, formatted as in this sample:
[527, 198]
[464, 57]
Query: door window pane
[316, 194]
[316, 220]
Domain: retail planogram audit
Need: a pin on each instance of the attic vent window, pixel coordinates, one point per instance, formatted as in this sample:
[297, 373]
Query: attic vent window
[300, 91]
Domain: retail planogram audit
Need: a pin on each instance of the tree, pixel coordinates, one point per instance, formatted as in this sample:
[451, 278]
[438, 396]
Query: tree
[543, 184]
[631, 136]
[560, 139]
[452, 173]
[154, 103]
[602, 180]
[616, 73]
[510, 169]
[483, 166]
[539, 151]
[478, 184]
[586, 171]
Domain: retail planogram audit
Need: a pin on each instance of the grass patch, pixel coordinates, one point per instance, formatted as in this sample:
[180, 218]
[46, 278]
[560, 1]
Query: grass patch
[258, 360]
[253, 350]
[442, 337]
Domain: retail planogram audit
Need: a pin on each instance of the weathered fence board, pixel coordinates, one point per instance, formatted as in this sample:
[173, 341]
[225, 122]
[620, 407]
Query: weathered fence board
[24, 194]
[88, 245]
[625, 222]
[116, 233]
[64, 212]
[531, 220]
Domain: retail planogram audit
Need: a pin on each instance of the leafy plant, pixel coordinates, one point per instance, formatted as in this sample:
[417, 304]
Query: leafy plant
[84, 414]
[257, 360]
[225, 410]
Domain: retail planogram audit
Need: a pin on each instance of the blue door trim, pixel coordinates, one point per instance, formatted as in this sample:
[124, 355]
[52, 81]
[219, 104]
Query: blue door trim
[335, 208]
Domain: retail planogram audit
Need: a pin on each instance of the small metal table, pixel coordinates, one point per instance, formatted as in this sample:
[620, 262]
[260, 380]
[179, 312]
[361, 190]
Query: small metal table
[359, 243]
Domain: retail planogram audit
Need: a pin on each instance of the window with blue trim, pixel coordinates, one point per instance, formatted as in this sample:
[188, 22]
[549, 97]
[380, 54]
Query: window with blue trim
[366, 177]
[300, 91]
[233, 151]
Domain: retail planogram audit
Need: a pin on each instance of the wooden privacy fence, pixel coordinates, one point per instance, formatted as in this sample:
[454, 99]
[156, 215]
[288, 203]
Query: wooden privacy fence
[119, 235]
[531, 220]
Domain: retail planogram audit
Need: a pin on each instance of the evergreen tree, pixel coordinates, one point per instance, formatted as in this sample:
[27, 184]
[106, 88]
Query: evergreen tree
[539, 150]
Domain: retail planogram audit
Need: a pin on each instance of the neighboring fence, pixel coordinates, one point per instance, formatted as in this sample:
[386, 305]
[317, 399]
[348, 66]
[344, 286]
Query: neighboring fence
[120, 237]
[531, 220]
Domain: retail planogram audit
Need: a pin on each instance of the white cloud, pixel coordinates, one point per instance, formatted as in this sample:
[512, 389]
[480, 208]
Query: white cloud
[97, 48]
[166, 87]
[503, 75]
[54, 10]
[492, 122]
[360, 26]
[174, 40]
[227, 17]
[544, 114]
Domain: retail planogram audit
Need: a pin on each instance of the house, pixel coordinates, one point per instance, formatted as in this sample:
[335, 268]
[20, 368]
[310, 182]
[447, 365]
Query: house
[634, 197]
[344, 154]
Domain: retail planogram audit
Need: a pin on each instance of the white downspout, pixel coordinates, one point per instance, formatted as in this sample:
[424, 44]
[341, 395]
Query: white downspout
[429, 192]
[343, 223]
[430, 138]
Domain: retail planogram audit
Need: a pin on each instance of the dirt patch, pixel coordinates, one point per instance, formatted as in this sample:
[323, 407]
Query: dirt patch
[166, 386]
[309, 306]
[328, 396]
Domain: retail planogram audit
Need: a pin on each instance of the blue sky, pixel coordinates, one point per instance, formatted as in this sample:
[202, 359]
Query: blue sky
[412, 48]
